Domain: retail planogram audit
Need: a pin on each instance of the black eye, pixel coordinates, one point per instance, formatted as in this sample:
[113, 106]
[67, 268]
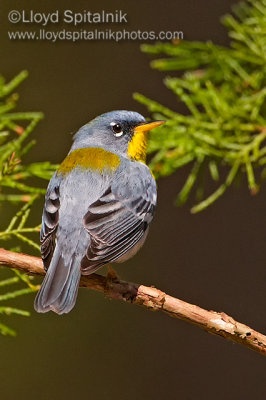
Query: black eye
[117, 129]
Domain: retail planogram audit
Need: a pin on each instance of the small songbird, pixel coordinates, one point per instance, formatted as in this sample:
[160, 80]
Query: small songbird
[98, 205]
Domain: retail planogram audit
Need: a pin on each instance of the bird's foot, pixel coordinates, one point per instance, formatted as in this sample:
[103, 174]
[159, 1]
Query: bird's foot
[111, 274]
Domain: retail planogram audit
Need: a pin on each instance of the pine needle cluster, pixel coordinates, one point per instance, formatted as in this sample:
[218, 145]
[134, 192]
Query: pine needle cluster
[15, 189]
[224, 91]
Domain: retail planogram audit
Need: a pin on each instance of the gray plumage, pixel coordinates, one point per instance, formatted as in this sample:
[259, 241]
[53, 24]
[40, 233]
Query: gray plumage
[92, 217]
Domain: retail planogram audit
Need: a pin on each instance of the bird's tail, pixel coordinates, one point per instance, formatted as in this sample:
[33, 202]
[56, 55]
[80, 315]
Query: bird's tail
[59, 289]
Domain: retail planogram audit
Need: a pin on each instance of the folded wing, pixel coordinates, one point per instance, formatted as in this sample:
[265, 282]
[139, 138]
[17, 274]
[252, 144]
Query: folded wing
[119, 219]
[50, 221]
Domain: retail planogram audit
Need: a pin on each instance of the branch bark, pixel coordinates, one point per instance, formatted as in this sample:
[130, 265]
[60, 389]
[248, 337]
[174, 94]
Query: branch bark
[217, 323]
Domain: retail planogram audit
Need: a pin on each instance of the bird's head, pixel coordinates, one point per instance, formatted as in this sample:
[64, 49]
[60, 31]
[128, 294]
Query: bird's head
[121, 132]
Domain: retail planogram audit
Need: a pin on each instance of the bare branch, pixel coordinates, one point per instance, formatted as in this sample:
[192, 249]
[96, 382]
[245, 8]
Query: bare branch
[153, 299]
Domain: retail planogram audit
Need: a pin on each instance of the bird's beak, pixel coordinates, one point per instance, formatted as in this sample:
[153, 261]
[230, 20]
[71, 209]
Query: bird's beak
[147, 126]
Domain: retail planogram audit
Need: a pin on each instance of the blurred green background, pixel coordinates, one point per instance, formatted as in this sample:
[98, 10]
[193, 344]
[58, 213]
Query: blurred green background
[106, 349]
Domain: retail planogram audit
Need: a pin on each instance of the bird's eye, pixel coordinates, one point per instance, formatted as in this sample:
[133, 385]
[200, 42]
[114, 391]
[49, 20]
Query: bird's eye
[117, 129]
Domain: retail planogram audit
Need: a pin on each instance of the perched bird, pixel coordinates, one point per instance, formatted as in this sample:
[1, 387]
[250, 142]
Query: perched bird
[98, 205]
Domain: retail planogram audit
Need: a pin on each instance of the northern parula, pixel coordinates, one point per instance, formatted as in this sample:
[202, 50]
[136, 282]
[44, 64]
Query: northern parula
[98, 205]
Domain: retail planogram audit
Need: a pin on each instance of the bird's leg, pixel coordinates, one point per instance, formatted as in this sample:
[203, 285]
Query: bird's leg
[111, 274]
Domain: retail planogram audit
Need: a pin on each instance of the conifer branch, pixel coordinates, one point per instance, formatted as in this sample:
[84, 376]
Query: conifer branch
[223, 89]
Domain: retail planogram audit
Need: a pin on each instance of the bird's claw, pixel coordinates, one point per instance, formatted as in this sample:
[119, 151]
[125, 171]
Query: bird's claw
[111, 274]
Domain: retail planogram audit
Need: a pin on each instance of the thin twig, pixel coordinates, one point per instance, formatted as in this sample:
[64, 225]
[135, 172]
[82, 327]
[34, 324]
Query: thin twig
[217, 323]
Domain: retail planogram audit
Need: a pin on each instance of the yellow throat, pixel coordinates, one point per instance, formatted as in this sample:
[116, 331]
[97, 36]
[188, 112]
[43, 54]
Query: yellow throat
[137, 148]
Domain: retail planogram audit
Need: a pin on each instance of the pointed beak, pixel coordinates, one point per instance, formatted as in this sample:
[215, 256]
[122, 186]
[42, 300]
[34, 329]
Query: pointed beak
[148, 126]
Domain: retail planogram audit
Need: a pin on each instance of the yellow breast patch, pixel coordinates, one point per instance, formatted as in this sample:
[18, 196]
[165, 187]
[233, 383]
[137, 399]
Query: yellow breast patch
[137, 148]
[89, 158]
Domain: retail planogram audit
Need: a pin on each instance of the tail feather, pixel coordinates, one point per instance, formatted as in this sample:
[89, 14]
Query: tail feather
[59, 289]
[67, 299]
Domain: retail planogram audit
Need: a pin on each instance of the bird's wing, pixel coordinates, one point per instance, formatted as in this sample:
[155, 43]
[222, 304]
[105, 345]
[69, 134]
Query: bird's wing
[119, 219]
[50, 219]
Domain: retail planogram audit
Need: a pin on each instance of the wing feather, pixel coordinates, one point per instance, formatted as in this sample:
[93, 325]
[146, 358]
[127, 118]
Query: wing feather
[118, 220]
[50, 220]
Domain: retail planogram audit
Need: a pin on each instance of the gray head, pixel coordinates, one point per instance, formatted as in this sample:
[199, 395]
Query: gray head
[122, 132]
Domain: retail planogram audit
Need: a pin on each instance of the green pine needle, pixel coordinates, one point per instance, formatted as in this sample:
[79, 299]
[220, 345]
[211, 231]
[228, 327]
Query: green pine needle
[16, 188]
[224, 91]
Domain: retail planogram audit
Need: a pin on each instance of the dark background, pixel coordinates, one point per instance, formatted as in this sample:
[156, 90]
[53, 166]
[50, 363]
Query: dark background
[110, 350]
